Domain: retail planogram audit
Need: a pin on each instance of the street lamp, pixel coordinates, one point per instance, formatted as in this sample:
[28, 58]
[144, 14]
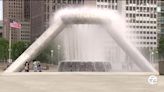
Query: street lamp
[152, 57]
[156, 54]
[9, 50]
[52, 54]
[58, 52]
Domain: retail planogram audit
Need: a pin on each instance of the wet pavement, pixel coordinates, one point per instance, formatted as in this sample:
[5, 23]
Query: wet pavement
[79, 82]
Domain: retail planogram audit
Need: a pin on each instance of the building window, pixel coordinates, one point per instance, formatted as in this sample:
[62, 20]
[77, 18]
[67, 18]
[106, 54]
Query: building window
[59, 1]
[134, 15]
[69, 1]
[54, 8]
[130, 15]
[130, 1]
[151, 2]
[127, 2]
[147, 27]
[54, 1]
[64, 1]
[79, 1]
[130, 8]
[126, 8]
[74, 1]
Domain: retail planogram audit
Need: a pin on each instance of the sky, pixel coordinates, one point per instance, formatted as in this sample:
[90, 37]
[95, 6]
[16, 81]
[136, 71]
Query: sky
[1, 10]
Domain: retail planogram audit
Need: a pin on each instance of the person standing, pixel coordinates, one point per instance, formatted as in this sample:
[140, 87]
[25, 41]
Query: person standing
[26, 68]
[35, 66]
[39, 68]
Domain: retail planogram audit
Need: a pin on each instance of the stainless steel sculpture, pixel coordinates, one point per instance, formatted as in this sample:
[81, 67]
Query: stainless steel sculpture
[106, 18]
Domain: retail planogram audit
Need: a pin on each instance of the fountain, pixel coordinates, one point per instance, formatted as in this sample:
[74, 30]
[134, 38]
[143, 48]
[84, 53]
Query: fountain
[108, 19]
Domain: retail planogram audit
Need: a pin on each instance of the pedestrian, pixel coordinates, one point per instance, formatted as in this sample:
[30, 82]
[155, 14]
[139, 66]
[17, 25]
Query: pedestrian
[26, 68]
[39, 68]
[35, 66]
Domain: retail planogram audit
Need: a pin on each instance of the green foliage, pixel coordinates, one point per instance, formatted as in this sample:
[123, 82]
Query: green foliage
[45, 55]
[3, 49]
[161, 46]
[18, 48]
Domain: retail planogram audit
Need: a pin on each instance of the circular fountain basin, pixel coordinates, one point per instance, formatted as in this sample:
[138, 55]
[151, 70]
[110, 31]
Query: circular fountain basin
[84, 66]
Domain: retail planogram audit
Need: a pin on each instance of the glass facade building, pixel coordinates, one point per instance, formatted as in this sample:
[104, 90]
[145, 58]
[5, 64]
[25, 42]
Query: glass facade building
[161, 17]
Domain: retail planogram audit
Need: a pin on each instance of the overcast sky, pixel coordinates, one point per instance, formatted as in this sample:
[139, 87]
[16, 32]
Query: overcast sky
[1, 10]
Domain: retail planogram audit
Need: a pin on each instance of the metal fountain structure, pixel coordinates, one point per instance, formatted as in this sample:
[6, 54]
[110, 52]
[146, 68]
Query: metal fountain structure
[68, 16]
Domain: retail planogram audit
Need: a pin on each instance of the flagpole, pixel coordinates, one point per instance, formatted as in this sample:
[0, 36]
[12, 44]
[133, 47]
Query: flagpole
[10, 46]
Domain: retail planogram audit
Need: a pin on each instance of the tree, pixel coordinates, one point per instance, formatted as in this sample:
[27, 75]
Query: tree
[45, 55]
[18, 48]
[3, 49]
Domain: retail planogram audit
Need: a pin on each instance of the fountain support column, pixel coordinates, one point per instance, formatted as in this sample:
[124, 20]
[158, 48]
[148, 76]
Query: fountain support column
[37, 46]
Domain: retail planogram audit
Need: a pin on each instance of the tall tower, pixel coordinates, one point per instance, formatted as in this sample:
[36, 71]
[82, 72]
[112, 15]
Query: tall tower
[38, 11]
[43, 10]
[161, 17]
[141, 18]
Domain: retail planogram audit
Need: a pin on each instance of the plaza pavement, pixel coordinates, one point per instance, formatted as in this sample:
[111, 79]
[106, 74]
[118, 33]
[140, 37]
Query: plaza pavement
[78, 82]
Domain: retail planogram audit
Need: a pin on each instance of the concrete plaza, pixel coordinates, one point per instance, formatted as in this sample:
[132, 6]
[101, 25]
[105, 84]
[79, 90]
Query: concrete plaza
[78, 82]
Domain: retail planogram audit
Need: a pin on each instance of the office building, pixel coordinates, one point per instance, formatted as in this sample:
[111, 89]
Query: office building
[141, 18]
[161, 17]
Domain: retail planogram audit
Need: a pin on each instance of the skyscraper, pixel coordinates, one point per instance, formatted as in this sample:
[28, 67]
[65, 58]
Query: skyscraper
[161, 17]
[37, 14]
[141, 18]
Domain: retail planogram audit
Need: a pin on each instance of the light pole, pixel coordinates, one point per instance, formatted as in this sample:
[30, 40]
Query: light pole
[152, 57]
[58, 53]
[52, 54]
[156, 55]
[9, 60]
